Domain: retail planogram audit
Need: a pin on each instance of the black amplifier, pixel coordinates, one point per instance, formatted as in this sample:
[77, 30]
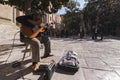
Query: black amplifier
[47, 70]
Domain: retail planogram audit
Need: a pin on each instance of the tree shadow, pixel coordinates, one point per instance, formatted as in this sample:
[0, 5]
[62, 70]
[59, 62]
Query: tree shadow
[57, 70]
[113, 37]
[2, 62]
[41, 73]
[104, 40]
[7, 47]
[10, 73]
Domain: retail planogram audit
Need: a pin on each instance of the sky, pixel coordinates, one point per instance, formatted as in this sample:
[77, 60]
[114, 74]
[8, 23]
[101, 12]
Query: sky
[62, 10]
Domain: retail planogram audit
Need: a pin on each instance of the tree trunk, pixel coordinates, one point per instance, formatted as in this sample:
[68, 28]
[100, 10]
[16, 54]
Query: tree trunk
[27, 6]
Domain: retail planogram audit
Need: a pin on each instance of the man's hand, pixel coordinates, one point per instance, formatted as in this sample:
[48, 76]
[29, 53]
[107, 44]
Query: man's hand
[35, 28]
[42, 24]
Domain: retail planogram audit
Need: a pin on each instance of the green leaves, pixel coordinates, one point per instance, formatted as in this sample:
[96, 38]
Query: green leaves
[72, 18]
[108, 12]
[49, 6]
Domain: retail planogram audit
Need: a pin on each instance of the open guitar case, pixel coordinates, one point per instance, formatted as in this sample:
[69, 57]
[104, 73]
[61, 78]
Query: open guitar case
[69, 62]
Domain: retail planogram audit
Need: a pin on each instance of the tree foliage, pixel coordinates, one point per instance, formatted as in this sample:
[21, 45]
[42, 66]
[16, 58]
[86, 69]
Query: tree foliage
[72, 17]
[43, 5]
[107, 11]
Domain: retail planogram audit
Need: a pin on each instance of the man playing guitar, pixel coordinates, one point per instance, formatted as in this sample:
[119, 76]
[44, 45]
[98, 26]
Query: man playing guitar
[28, 34]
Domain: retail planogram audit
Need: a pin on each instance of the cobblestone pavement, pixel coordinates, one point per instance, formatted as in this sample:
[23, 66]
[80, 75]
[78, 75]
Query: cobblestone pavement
[99, 60]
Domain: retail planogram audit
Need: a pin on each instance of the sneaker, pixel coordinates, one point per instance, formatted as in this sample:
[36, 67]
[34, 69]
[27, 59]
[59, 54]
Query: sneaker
[35, 67]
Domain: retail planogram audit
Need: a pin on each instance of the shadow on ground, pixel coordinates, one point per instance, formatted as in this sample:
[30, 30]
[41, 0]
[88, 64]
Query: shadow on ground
[68, 72]
[78, 40]
[113, 37]
[7, 72]
[7, 47]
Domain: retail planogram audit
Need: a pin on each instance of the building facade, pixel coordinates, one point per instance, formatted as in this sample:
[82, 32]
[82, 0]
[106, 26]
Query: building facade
[10, 13]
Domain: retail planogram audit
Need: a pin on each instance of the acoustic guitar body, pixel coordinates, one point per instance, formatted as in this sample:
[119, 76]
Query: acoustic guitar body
[27, 31]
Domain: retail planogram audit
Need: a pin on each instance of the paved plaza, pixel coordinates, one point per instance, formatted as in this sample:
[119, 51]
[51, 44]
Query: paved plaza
[99, 60]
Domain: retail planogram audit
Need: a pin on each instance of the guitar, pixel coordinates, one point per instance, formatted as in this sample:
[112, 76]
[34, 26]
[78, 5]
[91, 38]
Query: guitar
[27, 31]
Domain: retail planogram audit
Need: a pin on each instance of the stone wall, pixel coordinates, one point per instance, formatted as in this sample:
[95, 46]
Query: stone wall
[6, 12]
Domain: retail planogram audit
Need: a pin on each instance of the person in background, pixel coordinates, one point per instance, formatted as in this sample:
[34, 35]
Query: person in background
[94, 33]
[101, 31]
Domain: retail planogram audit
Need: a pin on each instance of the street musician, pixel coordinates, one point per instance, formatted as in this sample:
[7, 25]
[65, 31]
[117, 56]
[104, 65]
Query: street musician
[29, 30]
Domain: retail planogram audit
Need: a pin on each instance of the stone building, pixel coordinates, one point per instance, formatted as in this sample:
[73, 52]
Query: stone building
[54, 22]
[10, 13]
[7, 13]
